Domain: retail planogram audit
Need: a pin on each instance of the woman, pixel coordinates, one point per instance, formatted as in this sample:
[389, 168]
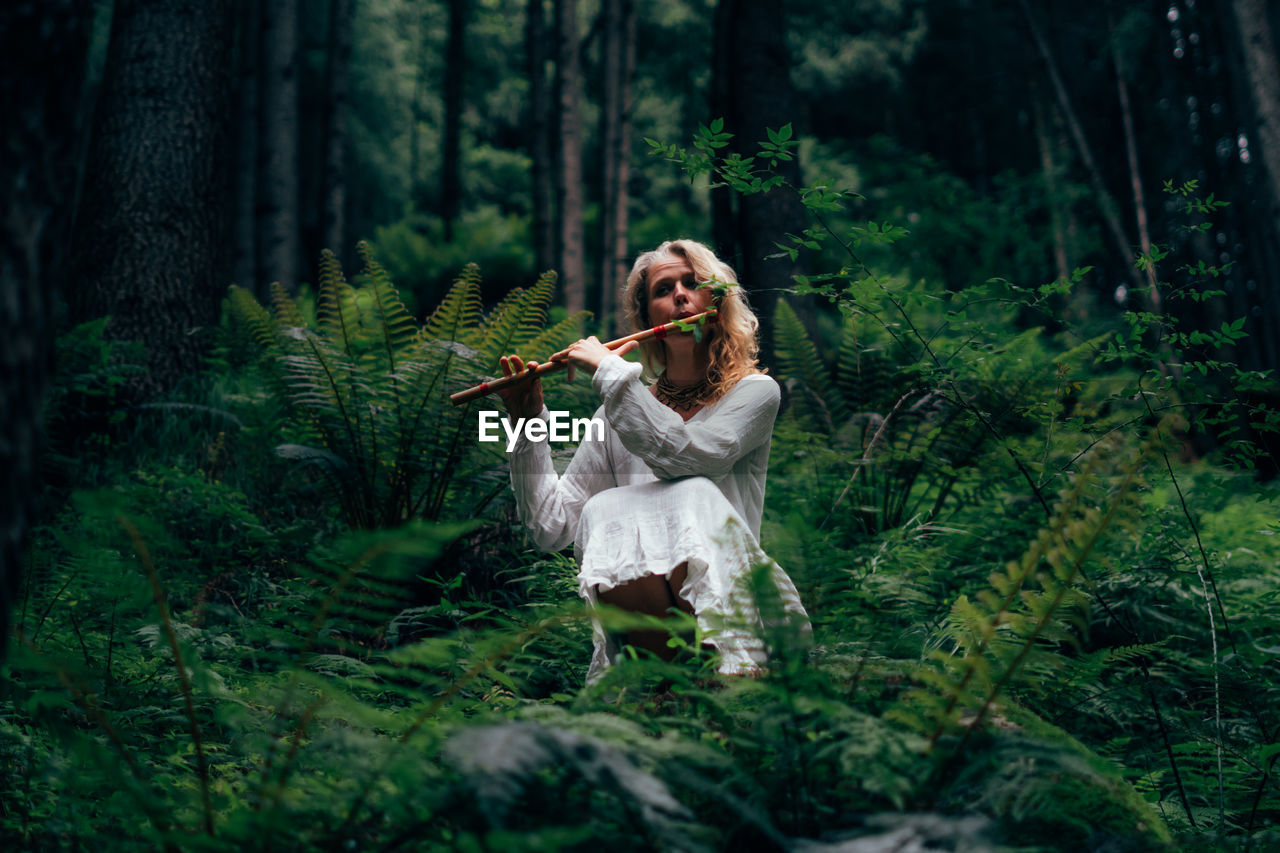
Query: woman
[665, 511]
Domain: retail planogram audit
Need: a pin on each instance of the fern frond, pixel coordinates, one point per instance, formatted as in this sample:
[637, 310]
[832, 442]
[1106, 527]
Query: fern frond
[555, 338]
[285, 309]
[999, 632]
[246, 310]
[460, 310]
[798, 362]
[865, 375]
[336, 311]
[397, 325]
[520, 316]
[501, 761]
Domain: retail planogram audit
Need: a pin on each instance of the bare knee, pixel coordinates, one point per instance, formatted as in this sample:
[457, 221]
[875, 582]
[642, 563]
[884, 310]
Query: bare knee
[652, 595]
[649, 595]
[675, 583]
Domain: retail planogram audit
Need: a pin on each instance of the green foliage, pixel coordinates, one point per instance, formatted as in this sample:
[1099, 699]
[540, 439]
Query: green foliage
[368, 390]
[1019, 416]
[414, 250]
[1035, 624]
[85, 409]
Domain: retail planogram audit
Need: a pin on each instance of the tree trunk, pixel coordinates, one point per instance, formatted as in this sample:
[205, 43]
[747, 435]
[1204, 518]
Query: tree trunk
[1261, 73]
[1053, 195]
[451, 156]
[337, 89]
[761, 96]
[248, 33]
[150, 242]
[278, 227]
[619, 62]
[568, 87]
[244, 227]
[1155, 303]
[1106, 202]
[418, 114]
[540, 150]
[1264, 84]
[723, 215]
[49, 42]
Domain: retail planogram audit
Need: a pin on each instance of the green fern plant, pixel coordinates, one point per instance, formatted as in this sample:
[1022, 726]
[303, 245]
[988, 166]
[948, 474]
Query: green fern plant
[368, 387]
[921, 438]
[1016, 632]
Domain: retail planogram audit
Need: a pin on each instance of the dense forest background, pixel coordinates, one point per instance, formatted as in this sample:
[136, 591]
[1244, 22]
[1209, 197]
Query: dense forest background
[1016, 264]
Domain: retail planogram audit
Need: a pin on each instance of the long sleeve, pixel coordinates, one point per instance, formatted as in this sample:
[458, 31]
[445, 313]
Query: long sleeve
[550, 505]
[671, 447]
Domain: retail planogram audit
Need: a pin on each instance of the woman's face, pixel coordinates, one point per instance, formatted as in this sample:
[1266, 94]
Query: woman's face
[673, 291]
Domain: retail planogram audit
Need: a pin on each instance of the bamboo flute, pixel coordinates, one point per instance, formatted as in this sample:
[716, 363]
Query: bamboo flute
[561, 363]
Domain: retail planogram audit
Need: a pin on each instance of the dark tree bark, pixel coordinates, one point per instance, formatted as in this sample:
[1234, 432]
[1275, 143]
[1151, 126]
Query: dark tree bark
[722, 199]
[1106, 202]
[1155, 302]
[540, 148]
[244, 228]
[337, 95]
[759, 96]
[279, 234]
[1263, 70]
[619, 52]
[573, 276]
[418, 115]
[451, 159]
[1261, 74]
[1053, 194]
[49, 42]
[150, 243]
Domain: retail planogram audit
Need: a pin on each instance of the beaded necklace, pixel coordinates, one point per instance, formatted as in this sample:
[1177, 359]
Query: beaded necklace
[681, 397]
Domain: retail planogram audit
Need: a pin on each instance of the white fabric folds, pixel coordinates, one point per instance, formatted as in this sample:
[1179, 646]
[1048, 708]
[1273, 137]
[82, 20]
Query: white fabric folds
[659, 491]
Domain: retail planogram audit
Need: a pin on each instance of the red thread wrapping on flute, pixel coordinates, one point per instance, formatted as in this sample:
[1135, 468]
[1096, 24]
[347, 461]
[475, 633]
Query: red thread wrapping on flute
[484, 387]
[659, 332]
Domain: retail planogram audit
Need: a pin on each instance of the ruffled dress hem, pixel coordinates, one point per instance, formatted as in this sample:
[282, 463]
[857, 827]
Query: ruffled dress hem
[649, 529]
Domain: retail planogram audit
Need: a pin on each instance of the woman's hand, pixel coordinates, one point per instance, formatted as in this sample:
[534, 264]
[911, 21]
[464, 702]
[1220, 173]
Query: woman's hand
[524, 399]
[588, 353]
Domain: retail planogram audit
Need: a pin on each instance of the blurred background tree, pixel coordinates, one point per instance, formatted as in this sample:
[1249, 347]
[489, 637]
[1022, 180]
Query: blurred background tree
[1012, 139]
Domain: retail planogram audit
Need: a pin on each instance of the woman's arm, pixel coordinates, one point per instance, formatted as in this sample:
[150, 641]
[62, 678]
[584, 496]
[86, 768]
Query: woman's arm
[671, 447]
[548, 504]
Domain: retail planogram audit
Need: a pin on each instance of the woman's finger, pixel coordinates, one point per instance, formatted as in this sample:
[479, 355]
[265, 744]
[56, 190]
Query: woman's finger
[626, 348]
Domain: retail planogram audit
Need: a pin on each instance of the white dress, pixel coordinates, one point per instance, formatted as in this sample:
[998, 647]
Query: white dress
[659, 491]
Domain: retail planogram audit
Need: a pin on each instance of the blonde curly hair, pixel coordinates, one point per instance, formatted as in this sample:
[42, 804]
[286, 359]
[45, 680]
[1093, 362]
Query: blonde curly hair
[734, 347]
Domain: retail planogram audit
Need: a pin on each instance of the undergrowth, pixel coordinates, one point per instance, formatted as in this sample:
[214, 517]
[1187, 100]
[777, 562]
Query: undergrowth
[294, 609]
